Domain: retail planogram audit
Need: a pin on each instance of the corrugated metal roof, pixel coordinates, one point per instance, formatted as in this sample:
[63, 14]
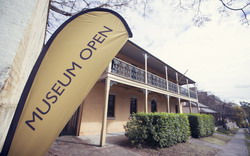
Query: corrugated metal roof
[207, 110]
[202, 105]
[186, 104]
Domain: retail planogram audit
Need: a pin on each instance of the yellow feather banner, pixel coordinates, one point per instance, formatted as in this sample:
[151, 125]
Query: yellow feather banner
[67, 69]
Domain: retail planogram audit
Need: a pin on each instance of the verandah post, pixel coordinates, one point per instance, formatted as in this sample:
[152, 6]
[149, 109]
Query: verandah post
[105, 110]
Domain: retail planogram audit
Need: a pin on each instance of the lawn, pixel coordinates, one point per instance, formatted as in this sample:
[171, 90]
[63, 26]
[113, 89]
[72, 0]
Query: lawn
[203, 146]
[230, 132]
[188, 149]
[217, 139]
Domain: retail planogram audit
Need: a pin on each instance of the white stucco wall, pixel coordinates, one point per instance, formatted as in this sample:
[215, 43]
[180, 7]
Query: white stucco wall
[22, 30]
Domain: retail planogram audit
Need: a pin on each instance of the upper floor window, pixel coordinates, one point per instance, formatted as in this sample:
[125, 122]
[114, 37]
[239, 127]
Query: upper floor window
[133, 105]
[111, 106]
[153, 106]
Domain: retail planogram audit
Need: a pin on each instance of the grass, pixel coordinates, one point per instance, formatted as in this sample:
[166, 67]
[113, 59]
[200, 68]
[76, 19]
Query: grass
[187, 149]
[247, 136]
[230, 132]
[217, 139]
[192, 147]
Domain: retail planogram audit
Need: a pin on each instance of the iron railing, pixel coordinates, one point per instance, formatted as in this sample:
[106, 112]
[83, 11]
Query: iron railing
[192, 94]
[184, 91]
[132, 72]
[172, 87]
[124, 69]
[157, 81]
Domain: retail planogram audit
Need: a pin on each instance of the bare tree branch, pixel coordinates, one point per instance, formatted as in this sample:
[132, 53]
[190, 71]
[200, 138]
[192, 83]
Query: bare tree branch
[238, 9]
[180, 5]
[60, 11]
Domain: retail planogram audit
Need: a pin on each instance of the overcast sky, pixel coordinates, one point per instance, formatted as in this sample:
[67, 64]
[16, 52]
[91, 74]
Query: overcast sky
[216, 55]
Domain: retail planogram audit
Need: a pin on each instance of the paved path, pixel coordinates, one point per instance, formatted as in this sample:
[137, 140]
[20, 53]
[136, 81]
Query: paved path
[236, 146]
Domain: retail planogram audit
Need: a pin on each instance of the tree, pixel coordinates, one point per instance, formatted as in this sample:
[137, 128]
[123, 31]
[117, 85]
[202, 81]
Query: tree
[239, 116]
[224, 109]
[246, 107]
[225, 8]
[60, 10]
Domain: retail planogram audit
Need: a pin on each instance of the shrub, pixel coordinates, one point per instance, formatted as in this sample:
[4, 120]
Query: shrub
[201, 125]
[243, 124]
[157, 129]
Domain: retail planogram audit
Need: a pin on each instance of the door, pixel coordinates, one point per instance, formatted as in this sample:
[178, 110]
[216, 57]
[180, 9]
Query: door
[72, 125]
[153, 106]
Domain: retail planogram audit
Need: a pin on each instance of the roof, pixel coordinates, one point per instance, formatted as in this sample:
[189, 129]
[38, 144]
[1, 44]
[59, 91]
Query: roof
[207, 110]
[202, 105]
[182, 77]
[186, 104]
[203, 108]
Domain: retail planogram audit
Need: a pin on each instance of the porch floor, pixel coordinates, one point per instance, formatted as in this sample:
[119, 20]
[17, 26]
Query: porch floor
[90, 145]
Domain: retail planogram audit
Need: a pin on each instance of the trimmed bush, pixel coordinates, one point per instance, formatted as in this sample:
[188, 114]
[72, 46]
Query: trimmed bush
[201, 125]
[157, 129]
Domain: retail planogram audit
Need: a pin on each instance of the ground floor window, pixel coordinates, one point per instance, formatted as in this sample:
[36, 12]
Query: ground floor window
[111, 106]
[176, 109]
[153, 106]
[133, 105]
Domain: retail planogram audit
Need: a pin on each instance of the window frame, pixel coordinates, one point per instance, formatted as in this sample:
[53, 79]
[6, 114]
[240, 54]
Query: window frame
[152, 106]
[112, 114]
[136, 108]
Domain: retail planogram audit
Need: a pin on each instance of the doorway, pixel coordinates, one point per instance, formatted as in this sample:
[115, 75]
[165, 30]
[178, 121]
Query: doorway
[71, 127]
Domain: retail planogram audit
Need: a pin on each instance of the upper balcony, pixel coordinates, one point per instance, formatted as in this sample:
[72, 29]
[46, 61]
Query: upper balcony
[129, 71]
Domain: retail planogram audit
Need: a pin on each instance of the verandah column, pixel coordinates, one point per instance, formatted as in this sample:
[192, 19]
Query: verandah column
[109, 67]
[177, 82]
[168, 105]
[105, 110]
[188, 88]
[198, 109]
[196, 92]
[146, 82]
[146, 101]
[190, 107]
[146, 68]
[166, 72]
[180, 105]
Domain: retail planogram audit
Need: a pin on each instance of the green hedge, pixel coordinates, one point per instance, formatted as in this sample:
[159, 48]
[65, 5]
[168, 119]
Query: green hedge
[201, 125]
[157, 129]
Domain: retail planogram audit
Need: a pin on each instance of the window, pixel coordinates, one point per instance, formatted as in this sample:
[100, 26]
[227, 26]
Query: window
[133, 105]
[176, 109]
[111, 106]
[153, 106]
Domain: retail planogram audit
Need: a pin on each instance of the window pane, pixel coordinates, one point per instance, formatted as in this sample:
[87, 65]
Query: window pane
[133, 105]
[153, 106]
[176, 109]
[111, 106]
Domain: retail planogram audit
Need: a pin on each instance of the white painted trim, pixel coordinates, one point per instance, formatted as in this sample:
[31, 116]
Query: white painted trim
[145, 86]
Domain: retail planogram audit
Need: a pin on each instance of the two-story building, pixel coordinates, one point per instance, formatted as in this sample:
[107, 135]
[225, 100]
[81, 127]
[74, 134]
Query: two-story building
[135, 81]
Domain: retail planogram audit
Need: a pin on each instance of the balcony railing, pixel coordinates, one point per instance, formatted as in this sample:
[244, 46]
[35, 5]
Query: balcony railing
[172, 87]
[132, 72]
[157, 81]
[183, 91]
[193, 94]
[127, 70]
